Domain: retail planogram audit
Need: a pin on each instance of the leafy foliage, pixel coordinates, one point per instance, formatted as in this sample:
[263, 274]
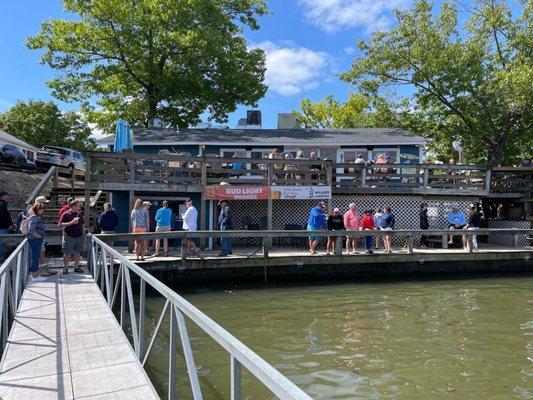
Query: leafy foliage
[475, 82]
[42, 123]
[142, 59]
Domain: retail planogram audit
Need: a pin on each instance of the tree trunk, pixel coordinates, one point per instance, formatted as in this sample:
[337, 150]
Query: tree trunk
[497, 150]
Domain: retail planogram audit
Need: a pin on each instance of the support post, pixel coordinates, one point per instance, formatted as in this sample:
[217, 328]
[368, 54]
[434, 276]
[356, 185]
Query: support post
[183, 248]
[470, 243]
[236, 392]
[87, 202]
[329, 174]
[444, 241]
[131, 200]
[172, 355]
[202, 203]
[55, 181]
[142, 314]
[363, 176]
[488, 178]
[410, 244]
[425, 182]
[270, 178]
[338, 246]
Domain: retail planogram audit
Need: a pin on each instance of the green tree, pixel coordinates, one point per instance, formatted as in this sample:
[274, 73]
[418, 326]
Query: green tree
[42, 123]
[142, 59]
[473, 83]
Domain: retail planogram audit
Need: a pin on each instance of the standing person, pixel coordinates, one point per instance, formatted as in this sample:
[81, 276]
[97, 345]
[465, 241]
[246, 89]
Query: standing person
[368, 225]
[108, 220]
[387, 224]
[288, 168]
[313, 156]
[424, 224]
[316, 221]
[473, 225]
[360, 159]
[456, 220]
[190, 223]
[378, 214]
[225, 221]
[352, 222]
[335, 223]
[35, 235]
[65, 208]
[139, 224]
[163, 221]
[6, 223]
[72, 223]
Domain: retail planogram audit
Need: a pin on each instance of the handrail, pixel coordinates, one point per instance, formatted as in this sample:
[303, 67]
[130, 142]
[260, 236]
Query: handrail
[13, 274]
[95, 199]
[101, 263]
[41, 185]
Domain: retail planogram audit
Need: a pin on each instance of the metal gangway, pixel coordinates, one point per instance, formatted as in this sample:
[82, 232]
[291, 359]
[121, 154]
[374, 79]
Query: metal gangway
[78, 303]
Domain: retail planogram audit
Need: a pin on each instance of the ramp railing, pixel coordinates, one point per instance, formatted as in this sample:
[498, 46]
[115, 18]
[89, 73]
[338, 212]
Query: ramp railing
[13, 276]
[101, 262]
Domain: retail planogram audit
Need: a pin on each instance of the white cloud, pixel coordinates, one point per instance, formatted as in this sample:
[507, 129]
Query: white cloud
[349, 50]
[291, 69]
[334, 15]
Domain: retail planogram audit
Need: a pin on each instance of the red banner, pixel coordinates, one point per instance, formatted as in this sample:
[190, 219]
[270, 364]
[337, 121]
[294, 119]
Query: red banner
[228, 192]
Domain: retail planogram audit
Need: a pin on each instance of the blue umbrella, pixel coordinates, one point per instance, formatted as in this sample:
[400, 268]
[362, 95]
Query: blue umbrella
[123, 138]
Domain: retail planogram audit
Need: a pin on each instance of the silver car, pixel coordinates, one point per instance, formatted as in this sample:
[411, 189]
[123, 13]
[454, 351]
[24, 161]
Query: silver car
[68, 158]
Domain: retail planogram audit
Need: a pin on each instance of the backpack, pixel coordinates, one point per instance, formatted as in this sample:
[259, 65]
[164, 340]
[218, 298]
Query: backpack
[24, 225]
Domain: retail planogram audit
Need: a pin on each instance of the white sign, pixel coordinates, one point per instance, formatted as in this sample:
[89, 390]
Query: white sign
[301, 192]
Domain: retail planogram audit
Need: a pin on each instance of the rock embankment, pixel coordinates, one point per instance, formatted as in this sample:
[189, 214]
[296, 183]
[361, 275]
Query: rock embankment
[19, 185]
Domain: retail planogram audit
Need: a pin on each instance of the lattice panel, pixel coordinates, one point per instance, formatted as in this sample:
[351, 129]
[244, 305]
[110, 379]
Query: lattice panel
[508, 240]
[405, 208]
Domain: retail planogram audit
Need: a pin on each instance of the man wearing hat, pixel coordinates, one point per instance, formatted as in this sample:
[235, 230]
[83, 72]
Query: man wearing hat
[6, 223]
[316, 222]
[225, 221]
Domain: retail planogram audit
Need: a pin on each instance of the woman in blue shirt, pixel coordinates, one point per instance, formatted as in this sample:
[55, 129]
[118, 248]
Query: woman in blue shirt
[162, 220]
[387, 224]
[35, 236]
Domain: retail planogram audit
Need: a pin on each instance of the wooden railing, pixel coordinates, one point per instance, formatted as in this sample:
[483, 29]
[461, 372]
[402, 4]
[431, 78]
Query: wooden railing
[512, 180]
[143, 171]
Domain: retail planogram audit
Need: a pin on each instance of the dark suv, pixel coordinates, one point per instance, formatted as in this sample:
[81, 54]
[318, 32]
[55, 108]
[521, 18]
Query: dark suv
[12, 154]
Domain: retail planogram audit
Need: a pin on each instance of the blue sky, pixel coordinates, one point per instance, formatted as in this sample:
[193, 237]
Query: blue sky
[307, 43]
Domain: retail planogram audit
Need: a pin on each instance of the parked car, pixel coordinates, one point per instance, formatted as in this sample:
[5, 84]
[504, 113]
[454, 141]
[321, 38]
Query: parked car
[51, 155]
[12, 154]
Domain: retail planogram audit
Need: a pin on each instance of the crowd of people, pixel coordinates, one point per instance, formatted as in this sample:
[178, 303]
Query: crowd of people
[380, 219]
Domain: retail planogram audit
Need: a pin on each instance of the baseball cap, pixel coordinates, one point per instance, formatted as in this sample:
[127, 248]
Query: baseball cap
[146, 203]
[221, 202]
[41, 199]
[321, 204]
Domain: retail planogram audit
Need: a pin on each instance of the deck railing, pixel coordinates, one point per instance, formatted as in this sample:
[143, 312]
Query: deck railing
[102, 260]
[512, 179]
[267, 236]
[13, 277]
[143, 171]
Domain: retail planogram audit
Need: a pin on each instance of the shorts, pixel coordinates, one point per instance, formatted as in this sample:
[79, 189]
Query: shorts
[43, 247]
[460, 227]
[108, 232]
[140, 229]
[162, 228]
[310, 228]
[385, 229]
[71, 245]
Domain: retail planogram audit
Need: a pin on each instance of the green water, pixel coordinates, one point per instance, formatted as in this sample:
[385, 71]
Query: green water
[442, 339]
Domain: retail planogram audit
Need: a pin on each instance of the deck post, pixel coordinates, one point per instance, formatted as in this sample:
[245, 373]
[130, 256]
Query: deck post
[131, 201]
[363, 176]
[87, 205]
[338, 246]
[142, 314]
[444, 241]
[270, 179]
[202, 203]
[488, 178]
[425, 182]
[183, 248]
[329, 171]
[410, 244]
[56, 175]
[470, 243]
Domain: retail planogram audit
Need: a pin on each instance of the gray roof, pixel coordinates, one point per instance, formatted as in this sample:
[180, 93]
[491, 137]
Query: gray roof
[15, 141]
[246, 137]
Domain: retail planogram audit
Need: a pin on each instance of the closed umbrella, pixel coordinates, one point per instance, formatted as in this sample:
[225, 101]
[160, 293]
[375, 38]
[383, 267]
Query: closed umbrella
[123, 140]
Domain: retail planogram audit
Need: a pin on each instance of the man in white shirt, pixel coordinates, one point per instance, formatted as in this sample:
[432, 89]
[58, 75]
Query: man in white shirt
[190, 218]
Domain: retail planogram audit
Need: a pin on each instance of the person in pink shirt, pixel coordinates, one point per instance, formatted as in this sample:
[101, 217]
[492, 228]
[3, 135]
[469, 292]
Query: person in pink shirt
[352, 222]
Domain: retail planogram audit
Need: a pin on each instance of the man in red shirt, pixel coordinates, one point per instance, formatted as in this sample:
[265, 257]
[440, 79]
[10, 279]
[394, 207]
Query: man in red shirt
[368, 224]
[65, 208]
[73, 241]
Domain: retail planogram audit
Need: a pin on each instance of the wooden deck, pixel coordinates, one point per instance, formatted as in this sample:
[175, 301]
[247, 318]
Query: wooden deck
[65, 343]
[293, 264]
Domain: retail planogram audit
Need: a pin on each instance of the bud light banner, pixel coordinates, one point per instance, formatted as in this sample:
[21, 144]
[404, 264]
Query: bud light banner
[236, 192]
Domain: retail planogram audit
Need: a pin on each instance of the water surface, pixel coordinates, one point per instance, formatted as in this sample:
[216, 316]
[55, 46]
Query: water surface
[441, 339]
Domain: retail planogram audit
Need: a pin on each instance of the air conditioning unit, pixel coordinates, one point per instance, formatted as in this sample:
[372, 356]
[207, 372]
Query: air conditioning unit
[253, 117]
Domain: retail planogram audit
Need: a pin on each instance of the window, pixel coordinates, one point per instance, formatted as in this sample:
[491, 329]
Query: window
[57, 150]
[394, 153]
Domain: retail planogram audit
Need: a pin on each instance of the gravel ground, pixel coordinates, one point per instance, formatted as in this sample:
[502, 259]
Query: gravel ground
[19, 185]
